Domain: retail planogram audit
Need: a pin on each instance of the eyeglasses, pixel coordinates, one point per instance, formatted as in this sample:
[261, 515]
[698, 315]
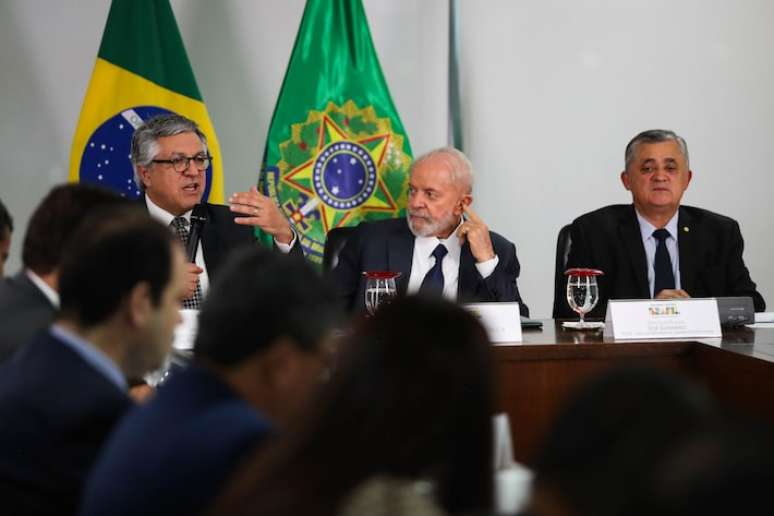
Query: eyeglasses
[181, 163]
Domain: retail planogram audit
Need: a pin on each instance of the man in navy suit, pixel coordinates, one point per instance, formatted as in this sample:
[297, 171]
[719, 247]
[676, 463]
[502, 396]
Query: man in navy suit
[121, 283]
[170, 156]
[442, 246]
[656, 247]
[258, 356]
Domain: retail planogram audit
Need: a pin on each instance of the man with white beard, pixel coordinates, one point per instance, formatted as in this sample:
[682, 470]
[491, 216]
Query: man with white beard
[443, 247]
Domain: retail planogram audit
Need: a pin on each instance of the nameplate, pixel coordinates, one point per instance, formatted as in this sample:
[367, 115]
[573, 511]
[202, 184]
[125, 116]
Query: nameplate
[501, 320]
[663, 319]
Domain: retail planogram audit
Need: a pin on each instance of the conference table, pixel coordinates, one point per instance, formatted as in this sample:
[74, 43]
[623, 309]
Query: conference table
[536, 376]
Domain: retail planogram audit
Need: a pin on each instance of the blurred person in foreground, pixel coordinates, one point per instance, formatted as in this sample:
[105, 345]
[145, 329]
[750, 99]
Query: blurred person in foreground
[121, 282]
[603, 448]
[724, 469]
[29, 299]
[403, 427]
[260, 352]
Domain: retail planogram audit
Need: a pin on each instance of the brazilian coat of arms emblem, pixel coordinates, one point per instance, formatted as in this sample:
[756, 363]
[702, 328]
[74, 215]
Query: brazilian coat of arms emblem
[340, 166]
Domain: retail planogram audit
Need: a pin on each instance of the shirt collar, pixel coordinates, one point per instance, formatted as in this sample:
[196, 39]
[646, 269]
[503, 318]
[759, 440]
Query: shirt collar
[647, 229]
[426, 245]
[51, 294]
[92, 355]
[163, 215]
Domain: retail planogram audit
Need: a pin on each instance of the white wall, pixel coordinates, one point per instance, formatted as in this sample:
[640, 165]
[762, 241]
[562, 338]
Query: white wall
[553, 90]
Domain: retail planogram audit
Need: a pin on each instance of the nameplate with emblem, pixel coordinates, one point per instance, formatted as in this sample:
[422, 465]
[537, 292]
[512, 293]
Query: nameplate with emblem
[501, 321]
[663, 319]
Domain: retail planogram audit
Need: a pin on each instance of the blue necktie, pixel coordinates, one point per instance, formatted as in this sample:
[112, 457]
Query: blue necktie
[665, 277]
[433, 282]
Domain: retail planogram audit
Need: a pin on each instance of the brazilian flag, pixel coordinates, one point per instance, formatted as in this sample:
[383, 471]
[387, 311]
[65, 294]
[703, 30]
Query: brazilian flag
[336, 153]
[142, 70]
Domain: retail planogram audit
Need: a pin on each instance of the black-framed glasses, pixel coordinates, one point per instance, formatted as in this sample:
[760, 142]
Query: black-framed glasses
[181, 163]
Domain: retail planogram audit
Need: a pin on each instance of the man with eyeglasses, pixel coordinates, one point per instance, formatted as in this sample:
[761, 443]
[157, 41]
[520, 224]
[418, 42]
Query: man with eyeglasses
[170, 157]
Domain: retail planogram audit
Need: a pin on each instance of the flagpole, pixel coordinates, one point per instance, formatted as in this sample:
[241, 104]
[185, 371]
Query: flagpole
[455, 111]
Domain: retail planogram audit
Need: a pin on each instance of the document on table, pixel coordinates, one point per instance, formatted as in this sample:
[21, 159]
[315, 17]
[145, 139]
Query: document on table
[185, 332]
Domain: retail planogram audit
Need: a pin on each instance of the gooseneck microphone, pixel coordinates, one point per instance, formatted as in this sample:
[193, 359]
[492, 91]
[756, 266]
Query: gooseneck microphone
[198, 219]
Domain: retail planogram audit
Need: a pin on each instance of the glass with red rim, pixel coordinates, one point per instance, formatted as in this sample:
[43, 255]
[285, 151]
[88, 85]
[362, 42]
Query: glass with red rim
[582, 294]
[380, 288]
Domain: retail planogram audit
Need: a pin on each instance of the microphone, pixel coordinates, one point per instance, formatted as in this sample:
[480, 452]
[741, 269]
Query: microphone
[198, 219]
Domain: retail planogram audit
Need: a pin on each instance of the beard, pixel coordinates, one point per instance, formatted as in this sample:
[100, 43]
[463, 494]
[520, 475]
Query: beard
[431, 226]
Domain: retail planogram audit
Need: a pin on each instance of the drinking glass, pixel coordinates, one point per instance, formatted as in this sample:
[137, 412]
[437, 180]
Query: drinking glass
[582, 292]
[380, 288]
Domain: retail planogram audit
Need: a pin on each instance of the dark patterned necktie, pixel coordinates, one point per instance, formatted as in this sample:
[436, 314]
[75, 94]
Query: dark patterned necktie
[665, 277]
[433, 282]
[180, 225]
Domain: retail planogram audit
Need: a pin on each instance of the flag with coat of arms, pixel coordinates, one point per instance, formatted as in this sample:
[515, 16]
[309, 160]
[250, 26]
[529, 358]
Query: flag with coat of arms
[142, 70]
[336, 153]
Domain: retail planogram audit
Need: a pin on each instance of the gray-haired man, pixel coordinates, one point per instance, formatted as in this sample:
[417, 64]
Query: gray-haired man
[656, 247]
[442, 247]
[170, 156]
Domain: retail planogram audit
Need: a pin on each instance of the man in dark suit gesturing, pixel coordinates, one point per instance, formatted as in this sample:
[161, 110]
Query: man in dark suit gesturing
[442, 245]
[656, 248]
[170, 156]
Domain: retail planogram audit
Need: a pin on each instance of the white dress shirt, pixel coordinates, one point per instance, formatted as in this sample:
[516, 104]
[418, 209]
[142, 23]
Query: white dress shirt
[166, 218]
[650, 243]
[51, 294]
[92, 355]
[423, 260]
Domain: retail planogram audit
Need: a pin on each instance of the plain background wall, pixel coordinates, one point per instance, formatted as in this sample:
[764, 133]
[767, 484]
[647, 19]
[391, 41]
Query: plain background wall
[552, 91]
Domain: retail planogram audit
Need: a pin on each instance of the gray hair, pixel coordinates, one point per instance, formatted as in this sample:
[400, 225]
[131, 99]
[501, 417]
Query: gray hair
[145, 145]
[654, 136]
[459, 165]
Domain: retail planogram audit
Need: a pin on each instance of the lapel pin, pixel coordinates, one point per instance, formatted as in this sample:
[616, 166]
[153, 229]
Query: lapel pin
[685, 229]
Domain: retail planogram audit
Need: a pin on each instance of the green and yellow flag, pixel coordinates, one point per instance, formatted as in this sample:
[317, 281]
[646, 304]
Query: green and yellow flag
[336, 152]
[142, 70]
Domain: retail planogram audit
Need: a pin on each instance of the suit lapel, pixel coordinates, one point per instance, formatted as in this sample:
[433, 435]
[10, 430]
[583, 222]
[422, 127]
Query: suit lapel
[400, 253]
[468, 275]
[631, 241]
[687, 234]
[25, 284]
[212, 246]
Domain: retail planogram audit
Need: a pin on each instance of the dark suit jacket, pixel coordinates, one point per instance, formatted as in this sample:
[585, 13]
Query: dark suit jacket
[24, 311]
[55, 412]
[389, 245]
[710, 247]
[221, 235]
[172, 455]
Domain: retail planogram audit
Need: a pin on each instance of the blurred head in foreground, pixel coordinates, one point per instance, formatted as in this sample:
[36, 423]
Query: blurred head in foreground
[410, 399]
[605, 444]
